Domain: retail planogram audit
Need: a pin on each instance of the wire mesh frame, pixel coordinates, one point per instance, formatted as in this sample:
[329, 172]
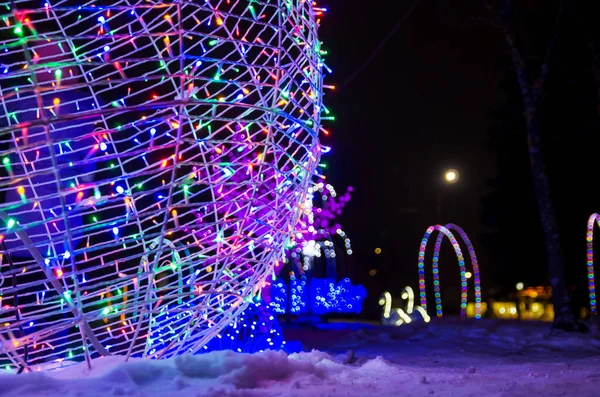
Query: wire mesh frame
[154, 160]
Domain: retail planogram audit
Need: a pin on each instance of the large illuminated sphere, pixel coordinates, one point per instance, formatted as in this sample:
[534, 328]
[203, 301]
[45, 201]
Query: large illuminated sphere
[154, 159]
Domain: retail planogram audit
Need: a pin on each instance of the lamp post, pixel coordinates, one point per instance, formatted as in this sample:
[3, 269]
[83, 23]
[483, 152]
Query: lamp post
[450, 177]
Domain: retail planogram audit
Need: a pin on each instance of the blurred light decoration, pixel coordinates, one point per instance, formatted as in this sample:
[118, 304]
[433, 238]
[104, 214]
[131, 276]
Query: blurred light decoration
[519, 286]
[278, 296]
[444, 231]
[471, 309]
[505, 310]
[592, 222]
[327, 296]
[317, 296]
[313, 243]
[256, 329]
[299, 295]
[314, 237]
[535, 303]
[155, 161]
[398, 316]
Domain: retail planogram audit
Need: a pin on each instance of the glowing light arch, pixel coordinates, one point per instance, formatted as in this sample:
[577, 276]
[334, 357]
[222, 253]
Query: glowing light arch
[594, 219]
[474, 263]
[461, 262]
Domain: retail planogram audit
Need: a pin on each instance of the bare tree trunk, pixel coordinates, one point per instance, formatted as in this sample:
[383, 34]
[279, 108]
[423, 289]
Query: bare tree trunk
[563, 314]
[532, 95]
[595, 52]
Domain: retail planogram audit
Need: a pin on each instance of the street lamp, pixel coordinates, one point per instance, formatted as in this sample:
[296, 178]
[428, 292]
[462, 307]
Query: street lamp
[451, 176]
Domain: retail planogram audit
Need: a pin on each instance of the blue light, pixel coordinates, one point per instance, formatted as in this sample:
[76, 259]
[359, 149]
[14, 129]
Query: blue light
[279, 297]
[115, 231]
[103, 146]
[319, 296]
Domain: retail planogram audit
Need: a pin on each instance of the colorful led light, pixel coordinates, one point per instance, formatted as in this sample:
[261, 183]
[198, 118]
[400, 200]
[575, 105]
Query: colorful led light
[461, 264]
[474, 264]
[155, 200]
[593, 220]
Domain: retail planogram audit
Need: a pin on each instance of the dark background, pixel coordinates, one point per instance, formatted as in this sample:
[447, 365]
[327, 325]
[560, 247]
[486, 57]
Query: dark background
[442, 93]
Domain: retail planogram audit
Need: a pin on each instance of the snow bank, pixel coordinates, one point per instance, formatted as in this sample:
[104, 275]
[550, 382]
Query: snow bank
[446, 358]
[202, 375]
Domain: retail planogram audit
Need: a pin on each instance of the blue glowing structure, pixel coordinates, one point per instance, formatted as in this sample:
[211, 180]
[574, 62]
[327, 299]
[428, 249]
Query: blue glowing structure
[327, 296]
[318, 296]
[256, 329]
[299, 292]
[279, 296]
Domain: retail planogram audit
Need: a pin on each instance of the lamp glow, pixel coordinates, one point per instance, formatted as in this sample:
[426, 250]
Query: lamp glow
[451, 176]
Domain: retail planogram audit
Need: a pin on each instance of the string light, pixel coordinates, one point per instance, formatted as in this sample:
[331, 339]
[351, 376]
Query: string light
[401, 316]
[593, 220]
[315, 232]
[461, 263]
[474, 263]
[318, 296]
[163, 201]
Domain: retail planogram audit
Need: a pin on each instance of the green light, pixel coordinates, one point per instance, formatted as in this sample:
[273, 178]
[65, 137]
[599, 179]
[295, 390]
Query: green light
[19, 30]
[105, 311]
[58, 73]
[95, 219]
[70, 354]
[213, 43]
[11, 223]
[5, 161]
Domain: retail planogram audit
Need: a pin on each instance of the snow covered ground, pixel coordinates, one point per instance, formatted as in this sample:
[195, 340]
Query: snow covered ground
[447, 357]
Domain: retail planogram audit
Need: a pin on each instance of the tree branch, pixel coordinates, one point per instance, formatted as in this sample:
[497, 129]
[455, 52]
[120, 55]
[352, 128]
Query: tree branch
[540, 82]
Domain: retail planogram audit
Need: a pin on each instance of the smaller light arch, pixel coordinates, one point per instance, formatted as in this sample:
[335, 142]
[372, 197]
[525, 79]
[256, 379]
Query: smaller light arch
[474, 263]
[461, 264]
[593, 220]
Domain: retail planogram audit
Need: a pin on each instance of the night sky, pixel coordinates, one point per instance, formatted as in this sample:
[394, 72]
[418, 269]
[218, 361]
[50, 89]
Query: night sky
[430, 99]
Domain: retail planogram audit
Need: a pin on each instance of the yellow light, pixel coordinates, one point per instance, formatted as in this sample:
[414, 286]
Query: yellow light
[520, 286]
[451, 176]
[378, 250]
[372, 272]
[468, 275]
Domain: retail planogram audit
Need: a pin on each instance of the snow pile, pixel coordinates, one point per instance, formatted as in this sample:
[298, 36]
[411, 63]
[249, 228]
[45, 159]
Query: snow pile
[447, 358]
[211, 374]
